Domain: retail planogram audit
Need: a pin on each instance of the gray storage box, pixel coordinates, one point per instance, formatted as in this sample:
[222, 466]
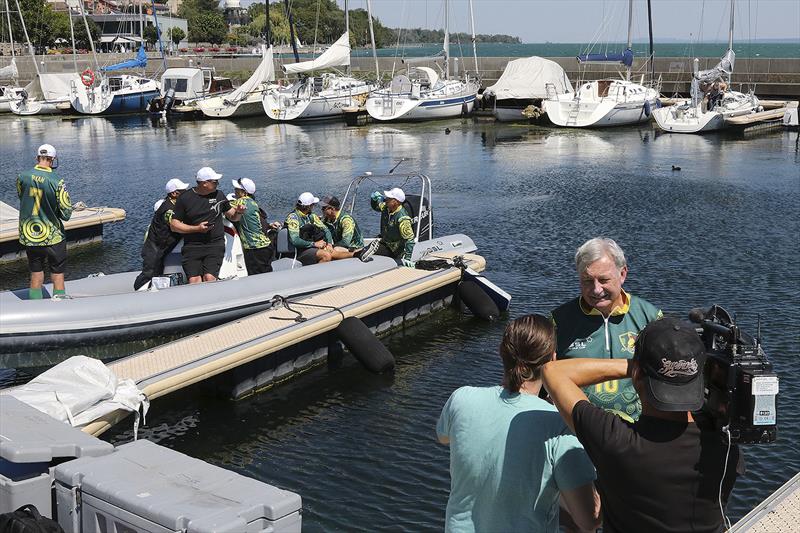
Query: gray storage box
[144, 487]
[30, 443]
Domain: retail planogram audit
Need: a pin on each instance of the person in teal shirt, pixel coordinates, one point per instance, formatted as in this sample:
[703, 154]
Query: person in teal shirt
[603, 322]
[512, 457]
[44, 204]
[256, 245]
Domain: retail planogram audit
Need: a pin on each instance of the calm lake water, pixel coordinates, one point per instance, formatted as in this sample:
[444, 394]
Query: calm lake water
[360, 448]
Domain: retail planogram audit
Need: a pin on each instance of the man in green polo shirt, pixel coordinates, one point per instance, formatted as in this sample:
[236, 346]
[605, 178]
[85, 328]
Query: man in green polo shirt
[43, 206]
[347, 239]
[397, 231]
[604, 321]
[253, 228]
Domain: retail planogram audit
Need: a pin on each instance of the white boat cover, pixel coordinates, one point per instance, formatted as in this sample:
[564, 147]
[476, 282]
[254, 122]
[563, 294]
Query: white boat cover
[337, 55]
[527, 78]
[9, 72]
[52, 87]
[80, 390]
[264, 72]
[433, 78]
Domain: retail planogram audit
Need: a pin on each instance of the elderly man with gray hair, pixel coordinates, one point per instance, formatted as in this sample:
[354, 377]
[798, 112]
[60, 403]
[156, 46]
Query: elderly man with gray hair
[603, 322]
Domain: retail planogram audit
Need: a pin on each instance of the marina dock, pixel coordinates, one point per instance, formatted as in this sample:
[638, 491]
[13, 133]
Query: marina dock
[272, 345]
[779, 513]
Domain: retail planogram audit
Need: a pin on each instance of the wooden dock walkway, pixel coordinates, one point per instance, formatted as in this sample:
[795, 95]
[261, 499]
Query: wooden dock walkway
[179, 364]
[779, 513]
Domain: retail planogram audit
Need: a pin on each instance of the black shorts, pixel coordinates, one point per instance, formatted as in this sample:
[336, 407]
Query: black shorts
[202, 259]
[54, 255]
[258, 260]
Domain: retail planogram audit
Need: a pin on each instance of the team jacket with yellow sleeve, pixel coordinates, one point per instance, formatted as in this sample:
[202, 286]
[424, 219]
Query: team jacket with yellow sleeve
[345, 231]
[43, 204]
[583, 331]
[397, 232]
[297, 220]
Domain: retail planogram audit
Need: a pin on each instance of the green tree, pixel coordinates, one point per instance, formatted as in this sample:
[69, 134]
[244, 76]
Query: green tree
[41, 21]
[279, 25]
[176, 35]
[150, 35]
[60, 30]
[208, 27]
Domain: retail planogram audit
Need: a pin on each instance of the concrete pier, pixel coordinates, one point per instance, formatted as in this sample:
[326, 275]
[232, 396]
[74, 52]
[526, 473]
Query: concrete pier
[770, 77]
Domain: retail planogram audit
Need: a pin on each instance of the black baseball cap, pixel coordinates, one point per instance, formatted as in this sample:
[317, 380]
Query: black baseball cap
[671, 356]
[331, 201]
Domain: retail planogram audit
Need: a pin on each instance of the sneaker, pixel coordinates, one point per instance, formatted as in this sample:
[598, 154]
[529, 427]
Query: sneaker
[366, 253]
[59, 297]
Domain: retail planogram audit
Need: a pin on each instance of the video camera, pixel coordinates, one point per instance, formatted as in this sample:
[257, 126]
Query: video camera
[740, 384]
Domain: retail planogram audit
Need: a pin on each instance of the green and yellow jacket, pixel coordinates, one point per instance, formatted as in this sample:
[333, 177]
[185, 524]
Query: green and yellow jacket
[43, 204]
[583, 331]
[345, 231]
[397, 233]
[296, 220]
[251, 232]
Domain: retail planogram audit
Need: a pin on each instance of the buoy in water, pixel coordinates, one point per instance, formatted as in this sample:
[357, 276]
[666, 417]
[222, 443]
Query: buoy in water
[365, 346]
[477, 301]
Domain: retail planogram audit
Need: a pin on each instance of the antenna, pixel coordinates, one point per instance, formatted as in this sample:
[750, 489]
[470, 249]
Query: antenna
[397, 165]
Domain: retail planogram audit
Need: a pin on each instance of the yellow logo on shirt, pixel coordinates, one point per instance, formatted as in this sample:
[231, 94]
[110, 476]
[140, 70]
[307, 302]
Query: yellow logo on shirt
[628, 341]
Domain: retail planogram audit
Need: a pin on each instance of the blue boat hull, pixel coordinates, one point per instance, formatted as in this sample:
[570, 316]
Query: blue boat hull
[130, 103]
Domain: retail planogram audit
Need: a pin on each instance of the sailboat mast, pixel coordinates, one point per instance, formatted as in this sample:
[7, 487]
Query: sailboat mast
[630, 36]
[10, 30]
[89, 34]
[730, 31]
[72, 36]
[472, 27]
[347, 29]
[291, 31]
[141, 30]
[446, 41]
[268, 28]
[28, 39]
[372, 39]
[650, 33]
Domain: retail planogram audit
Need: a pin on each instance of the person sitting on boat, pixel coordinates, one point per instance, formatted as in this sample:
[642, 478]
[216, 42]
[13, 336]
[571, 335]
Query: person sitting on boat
[603, 321]
[198, 216]
[397, 232]
[666, 471]
[347, 239]
[44, 205]
[253, 229]
[308, 233]
[160, 239]
[511, 455]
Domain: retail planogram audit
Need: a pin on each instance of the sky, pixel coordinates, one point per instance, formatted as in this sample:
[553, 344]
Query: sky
[584, 21]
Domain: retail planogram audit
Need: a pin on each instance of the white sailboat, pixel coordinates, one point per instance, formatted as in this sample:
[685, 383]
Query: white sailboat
[422, 94]
[608, 102]
[711, 102]
[245, 101]
[318, 97]
[47, 93]
[9, 72]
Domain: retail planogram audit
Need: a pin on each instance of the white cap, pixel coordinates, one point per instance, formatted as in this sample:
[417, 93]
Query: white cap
[175, 185]
[245, 184]
[396, 193]
[158, 204]
[207, 174]
[307, 199]
[46, 150]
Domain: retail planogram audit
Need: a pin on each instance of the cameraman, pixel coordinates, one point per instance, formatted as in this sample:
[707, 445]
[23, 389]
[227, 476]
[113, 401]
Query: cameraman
[663, 472]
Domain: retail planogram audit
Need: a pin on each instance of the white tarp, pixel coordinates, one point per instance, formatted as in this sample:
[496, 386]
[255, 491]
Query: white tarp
[52, 87]
[264, 72]
[527, 77]
[80, 390]
[9, 72]
[336, 56]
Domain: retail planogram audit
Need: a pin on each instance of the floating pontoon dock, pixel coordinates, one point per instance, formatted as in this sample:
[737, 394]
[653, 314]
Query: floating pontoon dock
[84, 226]
[262, 349]
[779, 513]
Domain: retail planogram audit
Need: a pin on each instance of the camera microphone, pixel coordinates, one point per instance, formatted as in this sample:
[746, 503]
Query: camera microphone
[698, 316]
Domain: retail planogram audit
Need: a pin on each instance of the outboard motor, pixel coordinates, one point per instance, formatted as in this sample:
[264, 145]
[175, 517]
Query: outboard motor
[169, 99]
[420, 212]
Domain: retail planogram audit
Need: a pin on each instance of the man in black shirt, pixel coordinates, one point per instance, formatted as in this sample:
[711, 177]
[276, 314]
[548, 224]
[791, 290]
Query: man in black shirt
[664, 472]
[198, 216]
[160, 239]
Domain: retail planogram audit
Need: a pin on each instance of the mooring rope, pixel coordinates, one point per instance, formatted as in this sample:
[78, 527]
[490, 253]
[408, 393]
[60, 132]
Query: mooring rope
[285, 303]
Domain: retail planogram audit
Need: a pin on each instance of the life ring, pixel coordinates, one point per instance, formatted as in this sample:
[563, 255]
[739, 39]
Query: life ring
[87, 77]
